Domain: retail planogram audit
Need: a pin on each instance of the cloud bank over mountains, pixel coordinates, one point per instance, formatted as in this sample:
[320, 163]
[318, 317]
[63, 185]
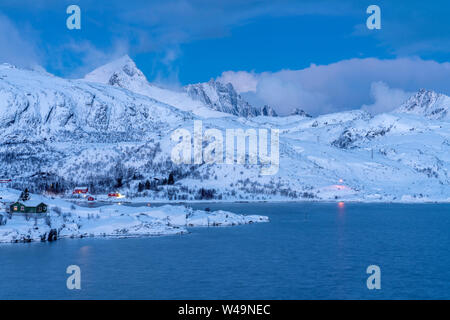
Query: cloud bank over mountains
[377, 85]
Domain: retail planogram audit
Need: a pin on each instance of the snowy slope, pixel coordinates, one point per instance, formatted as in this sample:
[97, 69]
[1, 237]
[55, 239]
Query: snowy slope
[42, 104]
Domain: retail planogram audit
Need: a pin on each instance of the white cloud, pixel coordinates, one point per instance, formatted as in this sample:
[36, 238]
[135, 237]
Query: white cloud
[17, 47]
[89, 55]
[242, 81]
[385, 99]
[347, 84]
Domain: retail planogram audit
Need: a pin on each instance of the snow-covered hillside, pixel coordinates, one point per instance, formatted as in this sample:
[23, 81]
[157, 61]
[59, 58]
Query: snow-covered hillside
[111, 131]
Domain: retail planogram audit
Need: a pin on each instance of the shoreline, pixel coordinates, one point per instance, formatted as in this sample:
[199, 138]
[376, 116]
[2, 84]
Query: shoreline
[65, 220]
[165, 202]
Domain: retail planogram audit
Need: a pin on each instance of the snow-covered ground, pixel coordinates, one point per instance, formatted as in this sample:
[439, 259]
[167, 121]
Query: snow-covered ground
[66, 220]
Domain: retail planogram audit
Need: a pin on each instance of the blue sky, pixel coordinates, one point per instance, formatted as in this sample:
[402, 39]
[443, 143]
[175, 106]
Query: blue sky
[177, 42]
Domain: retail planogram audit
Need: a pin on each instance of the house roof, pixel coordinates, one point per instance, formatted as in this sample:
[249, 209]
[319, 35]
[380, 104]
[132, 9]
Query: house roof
[30, 203]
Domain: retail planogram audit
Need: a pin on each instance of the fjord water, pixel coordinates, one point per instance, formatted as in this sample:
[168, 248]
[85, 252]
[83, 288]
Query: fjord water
[307, 251]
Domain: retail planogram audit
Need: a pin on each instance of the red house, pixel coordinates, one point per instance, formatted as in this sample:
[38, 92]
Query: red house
[80, 190]
[91, 198]
[114, 195]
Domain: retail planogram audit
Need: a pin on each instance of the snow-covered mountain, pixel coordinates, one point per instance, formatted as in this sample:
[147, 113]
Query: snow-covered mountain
[429, 104]
[124, 73]
[52, 127]
[268, 111]
[299, 112]
[221, 97]
[211, 99]
[111, 131]
[33, 103]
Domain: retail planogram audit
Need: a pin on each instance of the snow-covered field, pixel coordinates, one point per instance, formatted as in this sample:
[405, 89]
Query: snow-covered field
[65, 220]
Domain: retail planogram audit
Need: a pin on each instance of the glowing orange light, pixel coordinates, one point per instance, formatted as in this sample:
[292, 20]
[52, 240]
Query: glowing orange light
[341, 204]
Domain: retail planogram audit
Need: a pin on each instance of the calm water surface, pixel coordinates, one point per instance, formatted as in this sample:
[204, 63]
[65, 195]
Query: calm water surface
[307, 251]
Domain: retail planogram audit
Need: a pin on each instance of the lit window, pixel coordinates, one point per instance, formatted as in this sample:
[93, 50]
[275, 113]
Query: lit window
[15, 208]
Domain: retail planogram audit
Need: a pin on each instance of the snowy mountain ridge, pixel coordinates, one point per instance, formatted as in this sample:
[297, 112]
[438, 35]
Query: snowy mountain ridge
[210, 98]
[124, 73]
[221, 97]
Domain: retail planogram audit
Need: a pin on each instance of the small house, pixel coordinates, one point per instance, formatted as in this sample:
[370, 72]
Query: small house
[29, 206]
[114, 195]
[80, 190]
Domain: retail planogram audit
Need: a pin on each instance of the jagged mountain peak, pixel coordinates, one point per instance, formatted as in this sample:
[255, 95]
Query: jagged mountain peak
[300, 112]
[227, 86]
[121, 72]
[198, 98]
[221, 97]
[268, 111]
[124, 73]
[429, 104]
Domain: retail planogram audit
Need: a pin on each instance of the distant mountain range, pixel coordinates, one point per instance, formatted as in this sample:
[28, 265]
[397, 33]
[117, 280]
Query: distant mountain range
[212, 95]
[111, 131]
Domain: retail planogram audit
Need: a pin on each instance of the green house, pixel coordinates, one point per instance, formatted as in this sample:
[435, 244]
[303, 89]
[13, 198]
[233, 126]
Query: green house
[28, 206]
